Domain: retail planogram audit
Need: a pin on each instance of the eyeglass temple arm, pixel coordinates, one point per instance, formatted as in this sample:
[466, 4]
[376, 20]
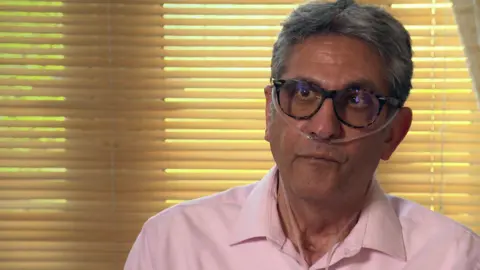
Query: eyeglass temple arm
[393, 101]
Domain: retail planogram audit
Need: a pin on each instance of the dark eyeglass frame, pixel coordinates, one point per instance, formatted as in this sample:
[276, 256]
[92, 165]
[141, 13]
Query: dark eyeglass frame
[382, 101]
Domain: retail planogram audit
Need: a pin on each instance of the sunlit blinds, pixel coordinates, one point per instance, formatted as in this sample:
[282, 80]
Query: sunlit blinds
[112, 110]
[69, 98]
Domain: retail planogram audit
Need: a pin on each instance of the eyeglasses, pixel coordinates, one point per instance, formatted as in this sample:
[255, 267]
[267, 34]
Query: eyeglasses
[355, 107]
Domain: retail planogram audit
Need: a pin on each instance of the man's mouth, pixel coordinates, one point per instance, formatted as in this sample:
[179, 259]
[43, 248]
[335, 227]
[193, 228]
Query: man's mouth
[319, 158]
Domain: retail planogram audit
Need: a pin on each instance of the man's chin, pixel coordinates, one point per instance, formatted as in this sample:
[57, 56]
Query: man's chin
[317, 193]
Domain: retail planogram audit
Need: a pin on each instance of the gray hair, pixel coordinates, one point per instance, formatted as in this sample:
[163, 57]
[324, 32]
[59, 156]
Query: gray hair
[371, 24]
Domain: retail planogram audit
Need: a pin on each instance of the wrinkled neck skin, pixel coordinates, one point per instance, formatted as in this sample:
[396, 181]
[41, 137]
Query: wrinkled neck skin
[314, 228]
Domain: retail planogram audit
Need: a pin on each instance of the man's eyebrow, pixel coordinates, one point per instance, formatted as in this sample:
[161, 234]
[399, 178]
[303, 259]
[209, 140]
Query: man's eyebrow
[363, 83]
[307, 79]
[357, 83]
[310, 80]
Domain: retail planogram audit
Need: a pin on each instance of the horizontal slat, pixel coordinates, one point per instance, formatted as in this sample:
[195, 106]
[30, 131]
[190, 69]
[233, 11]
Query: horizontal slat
[185, 9]
[151, 203]
[260, 165]
[437, 176]
[176, 83]
[125, 53]
[65, 216]
[252, 129]
[233, 137]
[421, 167]
[426, 143]
[93, 145]
[139, 2]
[241, 176]
[213, 156]
[81, 108]
[66, 236]
[233, 95]
[201, 71]
[148, 30]
[148, 114]
[79, 226]
[70, 257]
[450, 69]
[414, 20]
[180, 41]
[399, 183]
[133, 9]
[35, 163]
[444, 129]
[143, 5]
[159, 20]
[298, 1]
[62, 257]
[431, 202]
[430, 183]
[147, 196]
[152, 120]
[98, 184]
[132, 200]
[83, 159]
[89, 7]
[54, 194]
[264, 53]
[42, 265]
[231, 145]
[60, 245]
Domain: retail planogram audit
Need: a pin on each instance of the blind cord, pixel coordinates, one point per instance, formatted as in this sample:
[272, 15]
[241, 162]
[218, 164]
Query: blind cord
[112, 144]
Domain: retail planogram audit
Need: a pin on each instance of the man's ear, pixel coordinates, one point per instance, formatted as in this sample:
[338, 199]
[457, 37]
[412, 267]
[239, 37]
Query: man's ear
[399, 129]
[268, 101]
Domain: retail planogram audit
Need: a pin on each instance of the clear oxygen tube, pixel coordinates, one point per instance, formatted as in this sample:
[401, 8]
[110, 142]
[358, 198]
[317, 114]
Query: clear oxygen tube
[293, 223]
[321, 145]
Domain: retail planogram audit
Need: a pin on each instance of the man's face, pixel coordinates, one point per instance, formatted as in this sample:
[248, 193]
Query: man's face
[332, 62]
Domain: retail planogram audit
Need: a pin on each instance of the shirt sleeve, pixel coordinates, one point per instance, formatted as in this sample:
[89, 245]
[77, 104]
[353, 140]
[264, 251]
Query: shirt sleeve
[473, 249]
[465, 253]
[140, 256]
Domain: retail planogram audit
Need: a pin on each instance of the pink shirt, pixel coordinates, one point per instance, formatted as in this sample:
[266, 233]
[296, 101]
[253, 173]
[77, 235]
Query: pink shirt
[239, 229]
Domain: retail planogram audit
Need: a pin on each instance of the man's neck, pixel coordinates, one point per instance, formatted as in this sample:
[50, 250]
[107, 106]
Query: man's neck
[314, 225]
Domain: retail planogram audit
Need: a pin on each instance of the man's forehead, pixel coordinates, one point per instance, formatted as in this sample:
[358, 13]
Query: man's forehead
[326, 50]
[335, 62]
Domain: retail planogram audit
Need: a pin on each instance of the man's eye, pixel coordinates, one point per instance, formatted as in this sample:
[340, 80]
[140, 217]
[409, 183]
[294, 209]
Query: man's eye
[359, 99]
[304, 94]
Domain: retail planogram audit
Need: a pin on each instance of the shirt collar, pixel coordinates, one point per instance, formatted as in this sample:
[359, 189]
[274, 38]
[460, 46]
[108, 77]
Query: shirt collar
[259, 217]
[383, 230]
[378, 227]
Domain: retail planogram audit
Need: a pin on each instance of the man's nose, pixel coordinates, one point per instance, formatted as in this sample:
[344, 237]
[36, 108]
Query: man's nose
[324, 124]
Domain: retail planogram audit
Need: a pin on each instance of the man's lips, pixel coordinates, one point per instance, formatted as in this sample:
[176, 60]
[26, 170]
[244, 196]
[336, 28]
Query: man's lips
[319, 157]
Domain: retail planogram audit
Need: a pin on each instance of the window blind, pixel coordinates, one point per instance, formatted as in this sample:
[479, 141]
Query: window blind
[112, 110]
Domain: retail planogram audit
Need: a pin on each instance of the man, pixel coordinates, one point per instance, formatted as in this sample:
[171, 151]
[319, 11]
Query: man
[341, 73]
